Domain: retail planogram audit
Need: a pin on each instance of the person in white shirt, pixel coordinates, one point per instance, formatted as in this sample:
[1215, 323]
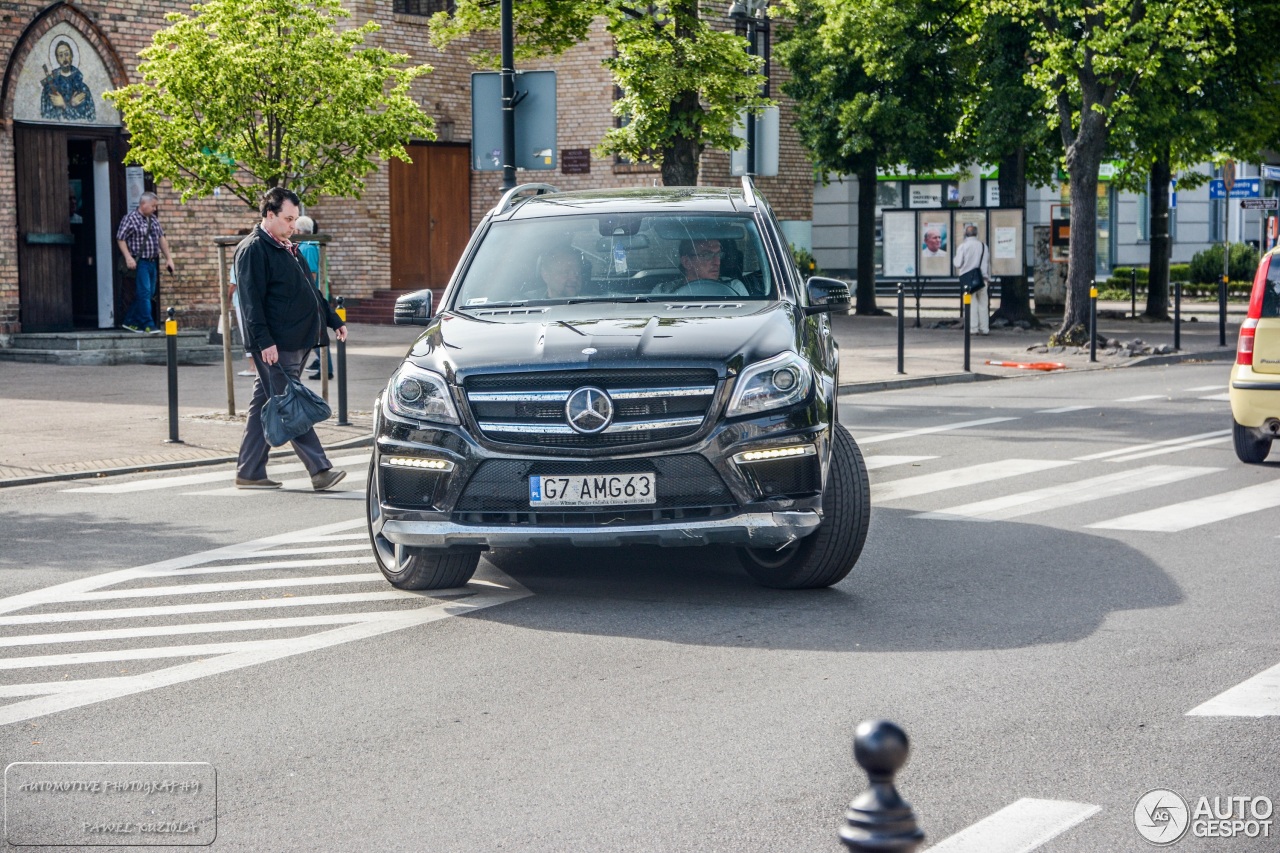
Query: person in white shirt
[972, 254]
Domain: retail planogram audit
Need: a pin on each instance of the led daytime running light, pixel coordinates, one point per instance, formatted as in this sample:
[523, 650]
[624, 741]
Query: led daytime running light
[774, 453]
[419, 462]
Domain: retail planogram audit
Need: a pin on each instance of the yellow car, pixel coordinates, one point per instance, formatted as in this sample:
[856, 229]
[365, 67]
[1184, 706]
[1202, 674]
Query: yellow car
[1255, 377]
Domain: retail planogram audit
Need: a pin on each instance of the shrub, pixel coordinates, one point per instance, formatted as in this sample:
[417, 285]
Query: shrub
[804, 260]
[1206, 266]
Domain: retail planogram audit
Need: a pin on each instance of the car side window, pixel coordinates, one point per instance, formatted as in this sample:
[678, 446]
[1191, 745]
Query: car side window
[1271, 295]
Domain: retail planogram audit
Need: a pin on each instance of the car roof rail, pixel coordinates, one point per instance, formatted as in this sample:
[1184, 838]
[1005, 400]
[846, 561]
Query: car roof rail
[748, 191]
[510, 197]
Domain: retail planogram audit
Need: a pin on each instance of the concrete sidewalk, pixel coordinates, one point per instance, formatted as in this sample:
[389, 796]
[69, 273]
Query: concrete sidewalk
[65, 422]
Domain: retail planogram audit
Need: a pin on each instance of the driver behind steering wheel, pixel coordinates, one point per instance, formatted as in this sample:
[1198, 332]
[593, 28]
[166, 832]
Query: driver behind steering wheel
[700, 260]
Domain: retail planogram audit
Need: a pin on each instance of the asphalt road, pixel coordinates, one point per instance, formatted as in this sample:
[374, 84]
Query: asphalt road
[1049, 588]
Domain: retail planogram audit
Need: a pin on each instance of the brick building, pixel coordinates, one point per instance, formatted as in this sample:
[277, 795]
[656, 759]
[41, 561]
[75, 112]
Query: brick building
[58, 262]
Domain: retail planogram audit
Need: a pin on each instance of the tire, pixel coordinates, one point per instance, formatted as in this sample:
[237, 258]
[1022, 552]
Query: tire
[1249, 447]
[413, 568]
[826, 556]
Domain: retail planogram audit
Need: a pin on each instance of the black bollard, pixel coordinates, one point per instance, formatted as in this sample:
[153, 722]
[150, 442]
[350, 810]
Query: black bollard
[171, 342]
[968, 307]
[901, 329]
[1133, 294]
[1093, 323]
[342, 369]
[878, 819]
[918, 287]
[1177, 315]
[1222, 311]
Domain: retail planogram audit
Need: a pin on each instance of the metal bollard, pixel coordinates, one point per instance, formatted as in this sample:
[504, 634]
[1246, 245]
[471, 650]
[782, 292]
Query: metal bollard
[1177, 315]
[878, 819]
[1093, 323]
[901, 329]
[342, 369]
[1222, 311]
[1133, 294]
[171, 342]
[968, 299]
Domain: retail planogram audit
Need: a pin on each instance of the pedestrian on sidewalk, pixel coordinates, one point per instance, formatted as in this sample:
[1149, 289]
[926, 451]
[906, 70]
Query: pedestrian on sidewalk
[310, 252]
[142, 243]
[972, 254]
[284, 319]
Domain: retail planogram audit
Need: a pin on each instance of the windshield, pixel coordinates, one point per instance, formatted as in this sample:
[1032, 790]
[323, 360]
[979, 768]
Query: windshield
[618, 258]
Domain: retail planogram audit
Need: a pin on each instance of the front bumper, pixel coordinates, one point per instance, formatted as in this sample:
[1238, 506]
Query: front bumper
[752, 529]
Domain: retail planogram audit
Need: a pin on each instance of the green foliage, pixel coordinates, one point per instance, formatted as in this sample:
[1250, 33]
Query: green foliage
[804, 260]
[250, 94]
[1206, 266]
[1121, 277]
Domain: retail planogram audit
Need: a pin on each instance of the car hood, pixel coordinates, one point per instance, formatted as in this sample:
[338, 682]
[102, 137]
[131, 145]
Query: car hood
[605, 335]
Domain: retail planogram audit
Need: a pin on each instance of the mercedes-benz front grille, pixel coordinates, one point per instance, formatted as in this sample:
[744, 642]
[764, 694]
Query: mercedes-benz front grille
[638, 406]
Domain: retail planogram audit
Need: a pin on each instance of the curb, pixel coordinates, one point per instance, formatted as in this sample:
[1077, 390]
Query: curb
[1181, 357]
[912, 382]
[360, 441]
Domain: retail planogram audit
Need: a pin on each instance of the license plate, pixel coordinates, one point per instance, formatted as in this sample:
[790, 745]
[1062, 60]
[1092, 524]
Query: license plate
[593, 490]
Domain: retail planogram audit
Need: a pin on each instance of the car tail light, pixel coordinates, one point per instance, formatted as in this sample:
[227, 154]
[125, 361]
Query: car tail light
[1244, 347]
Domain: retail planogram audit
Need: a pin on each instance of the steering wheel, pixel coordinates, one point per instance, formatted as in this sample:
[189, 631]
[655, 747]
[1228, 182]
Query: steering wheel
[705, 287]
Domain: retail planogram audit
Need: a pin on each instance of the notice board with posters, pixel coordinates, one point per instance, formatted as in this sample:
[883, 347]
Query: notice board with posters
[922, 243]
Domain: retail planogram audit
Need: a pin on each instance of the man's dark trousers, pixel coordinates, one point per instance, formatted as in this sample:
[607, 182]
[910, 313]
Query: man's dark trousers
[252, 464]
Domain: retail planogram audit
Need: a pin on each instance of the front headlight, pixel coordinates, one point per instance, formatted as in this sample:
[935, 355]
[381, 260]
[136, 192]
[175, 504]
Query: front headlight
[771, 384]
[420, 395]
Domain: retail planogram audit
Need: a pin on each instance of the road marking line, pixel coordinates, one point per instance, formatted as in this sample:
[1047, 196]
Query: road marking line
[873, 439]
[1142, 398]
[44, 705]
[957, 477]
[1225, 398]
[1257, 697]
[234, 586]
[1018, 828]
[1107, 454]
[211, 607]
[874, 463]
[301, 484]
[45, 688]
[211, 477]
[367, 557]
[193, 628]
[154, 653]
[298, 552]
[1183, 516]
[1063, 410]
[1178, 448]
[1199, 388]
[1067, 494]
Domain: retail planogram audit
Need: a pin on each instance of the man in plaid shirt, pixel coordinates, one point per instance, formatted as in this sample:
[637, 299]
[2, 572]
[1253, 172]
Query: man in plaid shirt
[142, 242]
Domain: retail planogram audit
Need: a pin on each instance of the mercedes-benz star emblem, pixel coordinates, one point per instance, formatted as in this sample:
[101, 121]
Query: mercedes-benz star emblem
[588, 410]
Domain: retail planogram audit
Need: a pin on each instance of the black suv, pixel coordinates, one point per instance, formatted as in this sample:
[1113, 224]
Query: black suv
[613, 368]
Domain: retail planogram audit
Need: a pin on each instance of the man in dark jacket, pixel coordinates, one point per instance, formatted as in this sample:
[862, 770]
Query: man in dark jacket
[285, 317]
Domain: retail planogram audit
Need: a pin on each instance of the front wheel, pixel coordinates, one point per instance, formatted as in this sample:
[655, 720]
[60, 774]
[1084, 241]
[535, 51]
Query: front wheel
[413, 568]
[826, 556]
[1249, 447]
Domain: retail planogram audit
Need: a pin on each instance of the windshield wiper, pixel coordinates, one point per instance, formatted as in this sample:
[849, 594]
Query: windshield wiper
[578, 300]
[483, 305]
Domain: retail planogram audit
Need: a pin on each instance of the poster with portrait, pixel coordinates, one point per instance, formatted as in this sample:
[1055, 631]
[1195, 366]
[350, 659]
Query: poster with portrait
[899, 231]
[1007, 242]
[934, 243]
[62, 81]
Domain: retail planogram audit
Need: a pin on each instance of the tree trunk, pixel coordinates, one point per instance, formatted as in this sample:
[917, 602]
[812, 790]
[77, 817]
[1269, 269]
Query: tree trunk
[680, 158]
[866, 299]
[1158, 271]
[1084, 157]
[1015, 292]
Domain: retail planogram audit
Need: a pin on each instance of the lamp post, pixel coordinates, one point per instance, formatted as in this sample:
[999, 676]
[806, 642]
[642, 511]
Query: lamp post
[752, 16]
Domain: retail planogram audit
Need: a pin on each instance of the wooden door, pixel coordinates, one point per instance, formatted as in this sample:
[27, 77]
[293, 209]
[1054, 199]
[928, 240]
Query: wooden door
[45, 240]
[430, 215]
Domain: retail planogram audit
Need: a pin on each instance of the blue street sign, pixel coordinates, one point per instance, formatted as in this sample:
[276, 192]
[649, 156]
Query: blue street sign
[1271, 173]
[1244, 188]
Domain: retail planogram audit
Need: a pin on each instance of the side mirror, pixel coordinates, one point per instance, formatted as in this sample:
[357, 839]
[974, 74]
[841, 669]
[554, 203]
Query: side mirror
[414, 309]
[827, 295]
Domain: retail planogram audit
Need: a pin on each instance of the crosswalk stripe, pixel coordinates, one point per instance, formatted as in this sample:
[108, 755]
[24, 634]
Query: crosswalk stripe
[1177, 448]
[204, 588]
[957, 477]
[1195, 513]
[875, 463]
[208, 607]
[323, 549]
[1257, 697]
[873, 439]
[211, 477]
[191, 628]
[1222, 398]
[1199, 388]
[1018, 828]
[46, 688]
[1063, 410]
[366, 557]
[1067, 494]
[300, 484]
[1142, 398]
[1107, 454]
[155, 653]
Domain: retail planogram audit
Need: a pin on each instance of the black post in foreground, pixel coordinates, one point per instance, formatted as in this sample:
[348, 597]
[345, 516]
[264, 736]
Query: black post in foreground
[1177, 315]
[878, 819]
[171, 342]
[901, 329]
[508, 83]
[968, 299]
[918, 287]
[1093, 323]
[1222, 311]
[342, 369]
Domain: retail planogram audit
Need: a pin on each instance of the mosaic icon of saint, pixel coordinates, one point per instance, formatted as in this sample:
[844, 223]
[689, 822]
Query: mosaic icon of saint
[63, 93]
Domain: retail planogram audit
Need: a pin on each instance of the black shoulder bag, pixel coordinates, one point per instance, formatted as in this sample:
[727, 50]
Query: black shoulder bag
[972, 281]
[291, 413]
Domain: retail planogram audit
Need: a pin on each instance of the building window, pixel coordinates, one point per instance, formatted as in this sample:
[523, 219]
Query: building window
[423, 7]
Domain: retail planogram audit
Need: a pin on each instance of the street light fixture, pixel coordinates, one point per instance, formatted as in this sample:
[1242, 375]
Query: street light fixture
[753, 15]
